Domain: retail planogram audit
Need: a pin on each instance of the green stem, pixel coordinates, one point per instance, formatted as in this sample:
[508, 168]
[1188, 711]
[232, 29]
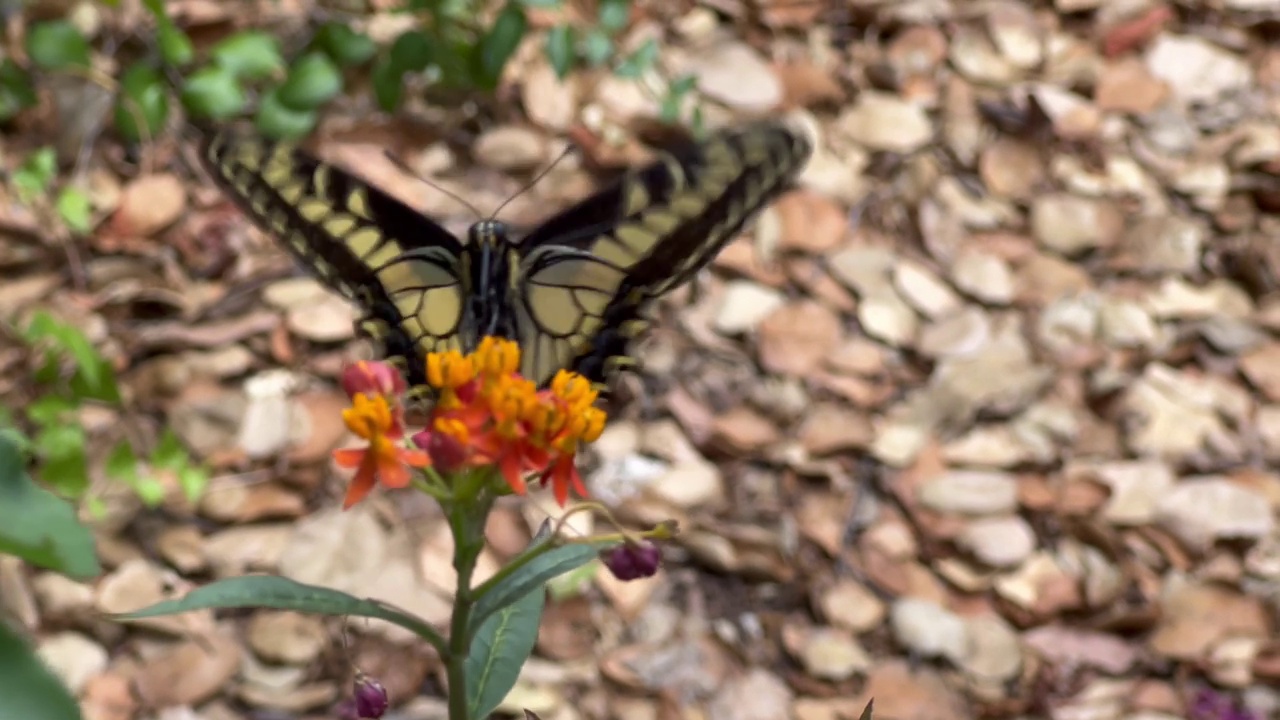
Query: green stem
[511, 567]
[466, 519]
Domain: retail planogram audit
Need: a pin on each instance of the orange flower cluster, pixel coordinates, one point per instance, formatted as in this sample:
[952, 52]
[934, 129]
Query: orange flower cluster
[486, 414]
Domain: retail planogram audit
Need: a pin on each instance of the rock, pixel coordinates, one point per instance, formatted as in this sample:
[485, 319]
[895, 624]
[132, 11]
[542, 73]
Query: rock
[1195, 69]
[885, 122]
[327, 319]
[929, 629]
[925, 291]
[511, 148]
[744, 305]
[1127, 86]
[833, 655]
[961, 333]
[74, 658]
[984, 277]
[189, 673]
[850, 605]
[1136, 488]
[756, 695]
[796, 337]
[1065, 644]
[690, 484]
[734, 74]
[830, 428]
[1195, 616]
[1125, 323]
[1163, 244]
[1071, 225]
[149, 204]
[811, 222]
[970, 492]
[998, 541]
[1202, 510]
[1012, 168]
[548, 100]
[1261, 366]
[1016, 34]
[745, 431]
[885, 316]
[995, 651]
[286, 637]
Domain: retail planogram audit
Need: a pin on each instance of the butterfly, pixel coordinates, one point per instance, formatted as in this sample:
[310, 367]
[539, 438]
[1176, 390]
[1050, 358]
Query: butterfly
[571, 292]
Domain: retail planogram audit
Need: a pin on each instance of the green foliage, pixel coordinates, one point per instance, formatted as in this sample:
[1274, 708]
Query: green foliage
[459, 45]
[142, 105]
[37, 525]
[71, 372]
[30, 690]
[16, 92]
[270, 591]
[499, 649]
[57, 45]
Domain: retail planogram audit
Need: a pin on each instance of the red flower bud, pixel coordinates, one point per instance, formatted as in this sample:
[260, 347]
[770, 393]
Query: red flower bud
[370, 696]
[373, 377]
[632, 561]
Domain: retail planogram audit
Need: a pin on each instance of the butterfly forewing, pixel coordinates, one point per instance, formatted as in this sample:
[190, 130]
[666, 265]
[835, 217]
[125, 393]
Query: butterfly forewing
[404, 270]
[586, 273]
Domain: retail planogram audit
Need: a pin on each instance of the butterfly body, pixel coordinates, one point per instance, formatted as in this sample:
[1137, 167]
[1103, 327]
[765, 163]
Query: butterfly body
[571, 292]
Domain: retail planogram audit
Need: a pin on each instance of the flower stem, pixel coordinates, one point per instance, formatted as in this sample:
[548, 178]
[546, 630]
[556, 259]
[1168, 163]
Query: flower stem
[466, 519]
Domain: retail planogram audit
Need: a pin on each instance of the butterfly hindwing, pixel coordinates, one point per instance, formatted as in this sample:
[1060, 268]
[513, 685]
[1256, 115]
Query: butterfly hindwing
[587, 272]
[404, 270]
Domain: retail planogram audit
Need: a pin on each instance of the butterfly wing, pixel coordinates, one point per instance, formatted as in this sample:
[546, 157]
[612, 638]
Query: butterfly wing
[587, 273]
[404, 270]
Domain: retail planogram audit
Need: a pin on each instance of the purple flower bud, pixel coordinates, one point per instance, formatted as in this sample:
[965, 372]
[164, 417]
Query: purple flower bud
[371, 697]
[631, 561]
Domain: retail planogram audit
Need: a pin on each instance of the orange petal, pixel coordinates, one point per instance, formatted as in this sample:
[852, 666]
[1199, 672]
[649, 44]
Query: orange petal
[349, 457]
[509, 465]
[360, 485]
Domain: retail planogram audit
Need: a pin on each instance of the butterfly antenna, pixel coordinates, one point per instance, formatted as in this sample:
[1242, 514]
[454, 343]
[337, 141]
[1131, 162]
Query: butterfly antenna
[404, 167]
[534, 181]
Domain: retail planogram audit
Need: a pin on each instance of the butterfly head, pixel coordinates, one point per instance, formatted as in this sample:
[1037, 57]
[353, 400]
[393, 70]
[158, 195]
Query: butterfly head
[488, 233]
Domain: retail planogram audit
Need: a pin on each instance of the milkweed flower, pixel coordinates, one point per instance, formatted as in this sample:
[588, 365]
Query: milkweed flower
[487, 414]
[379, 421]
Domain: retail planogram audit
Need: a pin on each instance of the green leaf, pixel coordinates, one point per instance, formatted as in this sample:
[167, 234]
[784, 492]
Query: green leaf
[597, 48]
[156, 7]
[122, 464]
[57, 44]
[250, 55]
[16, 91]
[500, 43]
[533, 576]
[143, 98]
[639, 62]
[213, 93]
[38, 526]
[614, 15]
[346, 46]
[279, 121]
[560, 49]
[683, 84]
[175, 45]
[313, 80]
[63, 464]
[30, 690]
[50, 410]
[272, 591]
[75, 209]
[388, 84]
[545, 4]
[193, 480]
[33, 178]
[499, 649]
[411, 52]
[169, 454]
